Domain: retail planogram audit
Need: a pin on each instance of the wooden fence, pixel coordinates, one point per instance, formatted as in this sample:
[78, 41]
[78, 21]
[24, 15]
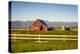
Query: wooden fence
[43, 37]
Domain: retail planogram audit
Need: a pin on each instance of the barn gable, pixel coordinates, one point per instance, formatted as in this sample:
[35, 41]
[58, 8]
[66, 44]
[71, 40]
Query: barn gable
[38, 25]
[43, 23]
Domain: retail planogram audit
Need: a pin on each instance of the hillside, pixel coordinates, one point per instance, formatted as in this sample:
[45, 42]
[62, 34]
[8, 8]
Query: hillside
[22, 24]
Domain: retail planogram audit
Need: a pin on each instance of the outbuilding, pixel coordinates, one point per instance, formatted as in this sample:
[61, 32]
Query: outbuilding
[38, 25]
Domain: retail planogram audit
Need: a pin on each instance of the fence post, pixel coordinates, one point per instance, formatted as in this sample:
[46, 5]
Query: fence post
[39, 37]
[14, 37]
[63, 38]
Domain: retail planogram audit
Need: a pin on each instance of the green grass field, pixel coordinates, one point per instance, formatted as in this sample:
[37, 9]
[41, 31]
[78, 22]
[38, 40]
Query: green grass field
[31, 45]
[54, 32]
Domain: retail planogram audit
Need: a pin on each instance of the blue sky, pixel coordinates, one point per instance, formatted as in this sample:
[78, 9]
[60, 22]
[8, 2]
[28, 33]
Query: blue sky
[24, 11]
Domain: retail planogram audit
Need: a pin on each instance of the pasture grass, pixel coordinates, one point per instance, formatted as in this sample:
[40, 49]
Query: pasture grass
[32, 46]
[54, 32]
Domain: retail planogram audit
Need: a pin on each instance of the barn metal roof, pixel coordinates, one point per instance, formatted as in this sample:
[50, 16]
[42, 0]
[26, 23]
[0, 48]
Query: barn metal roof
[43, 22]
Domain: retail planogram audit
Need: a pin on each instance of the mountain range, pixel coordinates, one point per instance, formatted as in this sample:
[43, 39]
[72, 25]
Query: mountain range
[25, 24]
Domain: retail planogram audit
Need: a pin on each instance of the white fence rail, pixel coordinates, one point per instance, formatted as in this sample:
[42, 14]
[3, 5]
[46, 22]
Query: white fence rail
[43, 37]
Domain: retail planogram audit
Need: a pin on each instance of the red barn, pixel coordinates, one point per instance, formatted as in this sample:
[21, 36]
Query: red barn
[38, 25]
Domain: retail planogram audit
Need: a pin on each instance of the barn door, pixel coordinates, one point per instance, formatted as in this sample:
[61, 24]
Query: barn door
[41, 28]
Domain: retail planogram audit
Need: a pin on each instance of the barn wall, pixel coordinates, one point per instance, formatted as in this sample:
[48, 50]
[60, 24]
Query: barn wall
[34, 28]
